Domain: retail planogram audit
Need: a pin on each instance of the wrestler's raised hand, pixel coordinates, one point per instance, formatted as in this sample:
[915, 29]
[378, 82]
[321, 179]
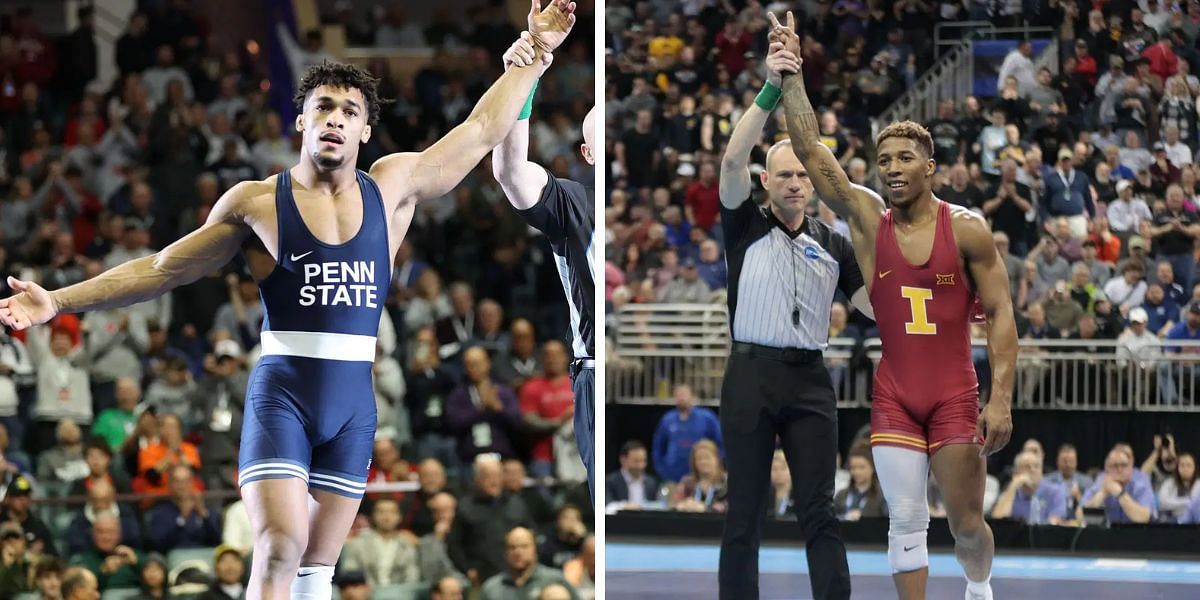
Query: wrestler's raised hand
[31, 306]
[780, 61]
[785, 34]
[551, 25]
[522, 53]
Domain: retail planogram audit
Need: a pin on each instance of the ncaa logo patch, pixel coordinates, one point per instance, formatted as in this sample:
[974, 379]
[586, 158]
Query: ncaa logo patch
[811, 252]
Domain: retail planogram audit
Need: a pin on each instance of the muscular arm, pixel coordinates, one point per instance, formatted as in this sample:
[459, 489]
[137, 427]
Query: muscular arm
[735, 182]
[437, 170]
[521, 179]
[991, 281]
[180, 263]
[851, 202]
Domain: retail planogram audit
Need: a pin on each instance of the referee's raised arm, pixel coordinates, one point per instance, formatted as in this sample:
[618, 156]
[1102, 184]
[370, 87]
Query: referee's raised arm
[735, 185]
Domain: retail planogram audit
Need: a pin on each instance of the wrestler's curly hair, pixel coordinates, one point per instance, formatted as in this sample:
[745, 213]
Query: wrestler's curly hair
[911, 130]
[344, 76]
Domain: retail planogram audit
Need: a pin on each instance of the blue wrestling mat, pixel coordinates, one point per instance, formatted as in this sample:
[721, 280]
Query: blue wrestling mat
[646, 571]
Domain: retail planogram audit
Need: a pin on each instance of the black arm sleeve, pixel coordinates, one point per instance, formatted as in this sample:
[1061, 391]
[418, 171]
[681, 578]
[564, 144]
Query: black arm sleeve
[563, 208]
[736, 222]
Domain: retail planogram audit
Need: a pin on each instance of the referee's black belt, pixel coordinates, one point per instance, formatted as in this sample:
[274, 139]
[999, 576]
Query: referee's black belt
[580, 364]
[787, 355]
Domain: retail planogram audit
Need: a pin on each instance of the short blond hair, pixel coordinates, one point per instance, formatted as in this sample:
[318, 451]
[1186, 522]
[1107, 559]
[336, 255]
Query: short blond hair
[910, 130]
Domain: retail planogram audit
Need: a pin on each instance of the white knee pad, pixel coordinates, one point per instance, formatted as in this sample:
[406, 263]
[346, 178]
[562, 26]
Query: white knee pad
[908, 552]
[313, 583]
[903, 475]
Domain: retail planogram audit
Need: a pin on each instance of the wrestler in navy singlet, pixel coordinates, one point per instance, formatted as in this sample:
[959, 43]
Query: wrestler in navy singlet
[310, 406]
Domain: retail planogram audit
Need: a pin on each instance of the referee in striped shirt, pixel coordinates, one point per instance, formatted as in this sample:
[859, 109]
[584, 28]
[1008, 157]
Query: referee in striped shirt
[783, 272]
[563, 211]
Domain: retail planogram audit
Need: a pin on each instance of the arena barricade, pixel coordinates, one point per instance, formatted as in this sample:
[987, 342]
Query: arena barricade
[660, 345]
[1167, 377]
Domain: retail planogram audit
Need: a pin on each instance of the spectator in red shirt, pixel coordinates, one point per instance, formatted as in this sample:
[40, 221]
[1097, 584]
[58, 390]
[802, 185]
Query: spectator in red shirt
[703, 199]
[1085, 63]
[1162, 58]
[37, 58]
[547, 403]
[733, 42]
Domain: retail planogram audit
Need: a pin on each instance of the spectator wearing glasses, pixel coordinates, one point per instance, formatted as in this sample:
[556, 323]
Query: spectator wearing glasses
[1124, 498]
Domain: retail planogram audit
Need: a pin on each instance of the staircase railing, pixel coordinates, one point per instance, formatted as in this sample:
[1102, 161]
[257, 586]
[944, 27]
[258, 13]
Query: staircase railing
[952, 75]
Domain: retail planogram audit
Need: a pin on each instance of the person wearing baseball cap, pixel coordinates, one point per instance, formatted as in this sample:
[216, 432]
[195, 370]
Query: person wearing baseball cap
[17, 509]
[1162, 172]
[1068, 194]
[1136, 337]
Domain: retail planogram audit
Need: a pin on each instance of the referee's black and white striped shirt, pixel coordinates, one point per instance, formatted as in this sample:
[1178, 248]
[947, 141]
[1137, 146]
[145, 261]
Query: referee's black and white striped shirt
[773, 270]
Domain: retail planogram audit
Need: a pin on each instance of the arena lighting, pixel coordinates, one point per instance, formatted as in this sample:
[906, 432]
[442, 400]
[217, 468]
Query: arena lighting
[265, 85]
[252, 47]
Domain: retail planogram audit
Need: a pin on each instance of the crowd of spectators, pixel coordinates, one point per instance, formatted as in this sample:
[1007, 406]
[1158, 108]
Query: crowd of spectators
[1085, 171]
[683, 471]
[475, 404]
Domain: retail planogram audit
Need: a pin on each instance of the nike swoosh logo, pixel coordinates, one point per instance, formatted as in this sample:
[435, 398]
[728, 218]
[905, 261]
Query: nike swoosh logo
[882, 274]
[296, 257]
[907, 548]
[304, 574]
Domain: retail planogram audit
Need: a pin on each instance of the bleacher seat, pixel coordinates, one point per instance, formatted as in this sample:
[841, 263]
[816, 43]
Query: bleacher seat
[402, 591]
[120, 594]
[182, 555]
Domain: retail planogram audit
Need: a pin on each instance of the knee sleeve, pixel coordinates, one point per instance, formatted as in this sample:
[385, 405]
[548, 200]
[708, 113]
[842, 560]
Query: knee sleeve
[908, 552]
[313, 583]
[903, 475]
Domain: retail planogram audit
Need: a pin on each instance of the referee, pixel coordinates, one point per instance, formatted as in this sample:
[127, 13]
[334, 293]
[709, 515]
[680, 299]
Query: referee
[783, 272]
[562, 210]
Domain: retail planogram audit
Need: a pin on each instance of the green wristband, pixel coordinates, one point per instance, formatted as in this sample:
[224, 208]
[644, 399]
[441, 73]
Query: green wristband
[528, 108]
[768, 98]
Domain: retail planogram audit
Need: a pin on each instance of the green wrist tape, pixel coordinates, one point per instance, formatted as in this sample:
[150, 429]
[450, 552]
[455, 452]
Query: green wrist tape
[768, 98]
[528, 108]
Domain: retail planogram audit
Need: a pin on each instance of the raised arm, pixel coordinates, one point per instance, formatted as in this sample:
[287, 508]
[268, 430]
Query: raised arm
[521, 179]
[437, 170]
[991, 283]
[849, 201]
[735, 184]
[180, 263]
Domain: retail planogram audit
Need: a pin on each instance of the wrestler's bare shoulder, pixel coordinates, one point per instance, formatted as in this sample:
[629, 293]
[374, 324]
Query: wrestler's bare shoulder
[965, 218]
[248, 201]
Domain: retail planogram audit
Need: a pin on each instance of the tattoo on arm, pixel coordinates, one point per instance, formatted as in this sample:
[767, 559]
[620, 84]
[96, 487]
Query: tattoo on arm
[833, 178]
[801, 118]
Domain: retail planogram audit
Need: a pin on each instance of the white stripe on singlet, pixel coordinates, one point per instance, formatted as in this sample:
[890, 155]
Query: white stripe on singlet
[312, 344]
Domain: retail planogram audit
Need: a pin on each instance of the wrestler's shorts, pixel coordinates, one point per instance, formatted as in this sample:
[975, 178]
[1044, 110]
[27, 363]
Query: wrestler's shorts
[309, 418]
[924, 426]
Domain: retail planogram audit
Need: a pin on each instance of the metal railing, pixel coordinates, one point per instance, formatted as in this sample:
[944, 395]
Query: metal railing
[660, 345]
[952, 75]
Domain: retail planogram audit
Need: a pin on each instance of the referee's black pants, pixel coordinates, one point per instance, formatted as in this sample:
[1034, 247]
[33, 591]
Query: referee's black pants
[789, 396]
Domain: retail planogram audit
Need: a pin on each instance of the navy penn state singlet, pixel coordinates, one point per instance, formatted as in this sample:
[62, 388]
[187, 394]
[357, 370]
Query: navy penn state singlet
[310, 404]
